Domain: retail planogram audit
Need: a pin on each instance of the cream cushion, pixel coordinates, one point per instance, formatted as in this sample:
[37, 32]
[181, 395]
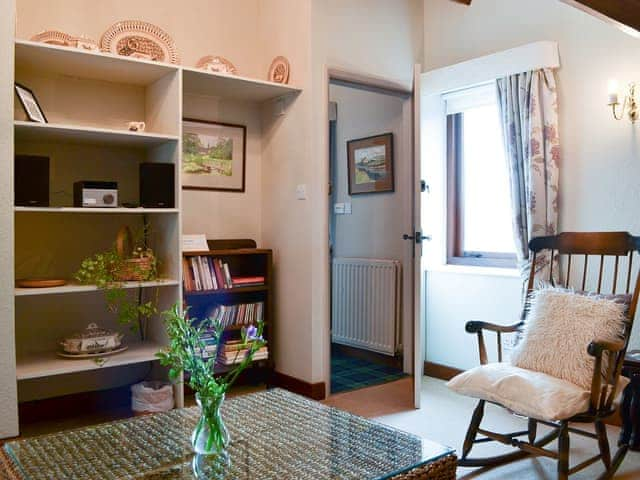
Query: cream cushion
[559, 327]
[528, 393]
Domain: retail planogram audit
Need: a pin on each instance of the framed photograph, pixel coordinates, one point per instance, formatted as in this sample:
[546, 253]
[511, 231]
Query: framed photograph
[213, 155]
[30, 104]
[370, 164]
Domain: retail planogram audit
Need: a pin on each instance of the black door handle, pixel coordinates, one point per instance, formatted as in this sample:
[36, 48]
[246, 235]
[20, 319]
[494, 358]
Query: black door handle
[418, 237]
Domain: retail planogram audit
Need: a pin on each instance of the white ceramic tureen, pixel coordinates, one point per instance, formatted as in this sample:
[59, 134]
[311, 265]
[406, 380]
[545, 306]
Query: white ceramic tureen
[93, 340]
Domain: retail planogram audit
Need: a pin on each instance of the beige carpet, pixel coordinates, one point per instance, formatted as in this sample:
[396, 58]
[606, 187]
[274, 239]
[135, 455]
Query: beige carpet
[444, 418]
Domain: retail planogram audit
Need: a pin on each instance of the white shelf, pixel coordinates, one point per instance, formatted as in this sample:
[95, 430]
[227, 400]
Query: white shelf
[75, 288]
[76, 63]
[47, 364]
[200, 82]
[132, 71]
[54, 132]
[119, 210]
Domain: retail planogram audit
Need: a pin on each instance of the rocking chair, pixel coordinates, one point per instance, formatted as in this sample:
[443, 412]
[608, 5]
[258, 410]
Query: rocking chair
[574, 249]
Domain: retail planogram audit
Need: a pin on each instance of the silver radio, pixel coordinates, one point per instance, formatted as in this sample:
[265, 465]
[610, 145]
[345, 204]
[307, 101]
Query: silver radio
[95, 194]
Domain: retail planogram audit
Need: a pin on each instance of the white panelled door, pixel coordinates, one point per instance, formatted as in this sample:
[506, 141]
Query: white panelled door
[419, 239]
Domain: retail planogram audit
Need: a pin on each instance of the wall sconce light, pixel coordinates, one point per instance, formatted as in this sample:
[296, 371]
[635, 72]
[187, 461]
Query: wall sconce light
[630, 105]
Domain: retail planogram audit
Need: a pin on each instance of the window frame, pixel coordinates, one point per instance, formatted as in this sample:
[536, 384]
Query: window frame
[455, 202]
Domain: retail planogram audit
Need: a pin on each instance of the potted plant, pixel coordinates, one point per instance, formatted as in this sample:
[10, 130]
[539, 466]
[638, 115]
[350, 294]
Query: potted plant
[109, 270]
[184, 354]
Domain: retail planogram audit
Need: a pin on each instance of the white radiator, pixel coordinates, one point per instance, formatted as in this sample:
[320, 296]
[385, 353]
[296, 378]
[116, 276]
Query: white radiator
[365, 310]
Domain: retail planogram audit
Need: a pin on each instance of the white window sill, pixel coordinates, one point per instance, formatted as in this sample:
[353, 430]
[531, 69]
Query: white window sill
[474, 270]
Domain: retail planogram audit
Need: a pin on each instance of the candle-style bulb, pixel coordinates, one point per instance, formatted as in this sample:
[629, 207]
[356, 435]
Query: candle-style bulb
[613, 92]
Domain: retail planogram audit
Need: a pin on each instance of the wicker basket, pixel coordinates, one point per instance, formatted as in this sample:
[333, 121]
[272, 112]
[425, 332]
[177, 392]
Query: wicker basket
[133, 269]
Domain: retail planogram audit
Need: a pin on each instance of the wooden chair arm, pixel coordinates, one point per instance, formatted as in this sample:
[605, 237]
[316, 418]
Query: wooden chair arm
[604, 392]
[476, 327]
[597, 347]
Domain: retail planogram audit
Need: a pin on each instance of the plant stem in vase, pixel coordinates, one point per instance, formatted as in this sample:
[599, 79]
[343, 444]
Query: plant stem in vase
[210, 435]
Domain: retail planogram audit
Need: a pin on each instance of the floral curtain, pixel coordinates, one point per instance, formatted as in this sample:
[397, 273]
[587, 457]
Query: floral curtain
[529, 112]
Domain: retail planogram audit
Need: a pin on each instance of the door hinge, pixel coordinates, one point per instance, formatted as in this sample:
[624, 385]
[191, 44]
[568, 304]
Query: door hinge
[423, 186]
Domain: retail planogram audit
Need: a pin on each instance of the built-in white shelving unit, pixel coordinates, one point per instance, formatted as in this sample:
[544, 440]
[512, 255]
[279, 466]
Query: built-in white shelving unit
[88, 98]
[76, 288]
[50, 132]
[48, 364]
[233, 87]
[100, 211]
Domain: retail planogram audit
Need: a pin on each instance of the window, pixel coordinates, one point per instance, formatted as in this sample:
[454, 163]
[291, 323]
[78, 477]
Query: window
[478, 197]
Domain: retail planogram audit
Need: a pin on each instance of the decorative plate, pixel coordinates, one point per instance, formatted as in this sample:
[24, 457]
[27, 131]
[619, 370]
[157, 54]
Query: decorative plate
[40, 282]
[279, 70]
[93, 355]
[55, 37]
[138, 39]
[216, 64]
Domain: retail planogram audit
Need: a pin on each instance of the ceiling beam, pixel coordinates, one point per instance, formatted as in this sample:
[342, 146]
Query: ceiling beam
[621, 12]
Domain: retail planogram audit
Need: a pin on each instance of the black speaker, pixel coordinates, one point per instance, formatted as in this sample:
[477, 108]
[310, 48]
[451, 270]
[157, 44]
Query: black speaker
[157, 185]
[31, 181]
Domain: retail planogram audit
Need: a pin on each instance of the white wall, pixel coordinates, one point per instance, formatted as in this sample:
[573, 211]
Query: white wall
[8, 389]
[600, 163]
[374, 228]
[377, 222]
[377, 38]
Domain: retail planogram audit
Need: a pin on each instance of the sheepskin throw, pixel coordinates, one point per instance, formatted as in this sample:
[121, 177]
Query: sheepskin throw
[559, 327]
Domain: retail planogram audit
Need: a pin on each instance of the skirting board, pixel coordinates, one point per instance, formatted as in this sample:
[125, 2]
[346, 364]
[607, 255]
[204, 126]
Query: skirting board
[315, 391]
[442, 372]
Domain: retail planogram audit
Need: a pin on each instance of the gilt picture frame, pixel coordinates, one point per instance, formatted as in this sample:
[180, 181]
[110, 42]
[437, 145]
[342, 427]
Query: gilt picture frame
[213, 155]
[370, 164]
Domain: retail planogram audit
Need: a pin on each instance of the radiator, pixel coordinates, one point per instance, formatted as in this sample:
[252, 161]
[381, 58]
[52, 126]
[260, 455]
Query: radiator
[365, 305]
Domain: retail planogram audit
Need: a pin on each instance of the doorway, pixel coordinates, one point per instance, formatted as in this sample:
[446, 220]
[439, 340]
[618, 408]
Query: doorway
[371, 265]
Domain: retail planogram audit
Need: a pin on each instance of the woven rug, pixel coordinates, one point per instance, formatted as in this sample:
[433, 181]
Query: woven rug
[349, 373]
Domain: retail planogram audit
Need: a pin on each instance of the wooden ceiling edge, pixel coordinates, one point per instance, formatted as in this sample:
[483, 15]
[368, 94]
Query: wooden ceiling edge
[633, 30]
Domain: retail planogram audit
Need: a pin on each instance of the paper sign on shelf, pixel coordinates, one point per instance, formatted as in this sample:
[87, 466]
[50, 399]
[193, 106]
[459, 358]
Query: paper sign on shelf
[194, 243]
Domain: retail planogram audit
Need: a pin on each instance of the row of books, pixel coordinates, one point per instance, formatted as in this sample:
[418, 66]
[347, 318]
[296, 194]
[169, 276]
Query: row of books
[240, 314]
[235, 351]
[232, 352]
[203, 272]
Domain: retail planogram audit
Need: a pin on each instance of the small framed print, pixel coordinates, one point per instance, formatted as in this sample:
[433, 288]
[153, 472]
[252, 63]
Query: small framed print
[370, 164]
[30, 104]
[213, 155]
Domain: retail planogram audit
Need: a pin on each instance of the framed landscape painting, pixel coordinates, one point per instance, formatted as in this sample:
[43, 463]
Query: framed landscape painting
[213, 155]
[370, 164]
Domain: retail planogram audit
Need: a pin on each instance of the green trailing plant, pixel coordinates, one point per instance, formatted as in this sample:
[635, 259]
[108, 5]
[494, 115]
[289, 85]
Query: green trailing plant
[104, 270]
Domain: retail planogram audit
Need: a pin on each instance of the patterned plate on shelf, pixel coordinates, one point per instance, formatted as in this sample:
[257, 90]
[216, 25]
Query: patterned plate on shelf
[279, 70]
[94, 354]
[55, 37]
[138, 39]
[216, 64]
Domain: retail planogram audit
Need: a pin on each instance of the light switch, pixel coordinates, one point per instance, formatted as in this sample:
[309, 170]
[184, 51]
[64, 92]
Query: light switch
[338, 208]
[301, 192]
[347, 208]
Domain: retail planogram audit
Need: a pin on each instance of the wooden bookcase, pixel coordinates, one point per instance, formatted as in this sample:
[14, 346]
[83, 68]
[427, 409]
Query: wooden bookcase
[242, 262]
[88, 98]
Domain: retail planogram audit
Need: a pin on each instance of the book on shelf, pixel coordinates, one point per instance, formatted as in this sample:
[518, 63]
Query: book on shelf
[247, 281]
[235, 351]
[239, 314]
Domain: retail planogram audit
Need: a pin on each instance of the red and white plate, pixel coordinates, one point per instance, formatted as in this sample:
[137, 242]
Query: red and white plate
[138, 39]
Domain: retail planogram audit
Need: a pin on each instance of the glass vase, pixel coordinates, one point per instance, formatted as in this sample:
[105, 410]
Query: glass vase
[210, 435]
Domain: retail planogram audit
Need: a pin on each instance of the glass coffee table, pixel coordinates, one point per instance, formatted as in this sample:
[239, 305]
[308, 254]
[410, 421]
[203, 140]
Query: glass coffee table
[274, 435]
